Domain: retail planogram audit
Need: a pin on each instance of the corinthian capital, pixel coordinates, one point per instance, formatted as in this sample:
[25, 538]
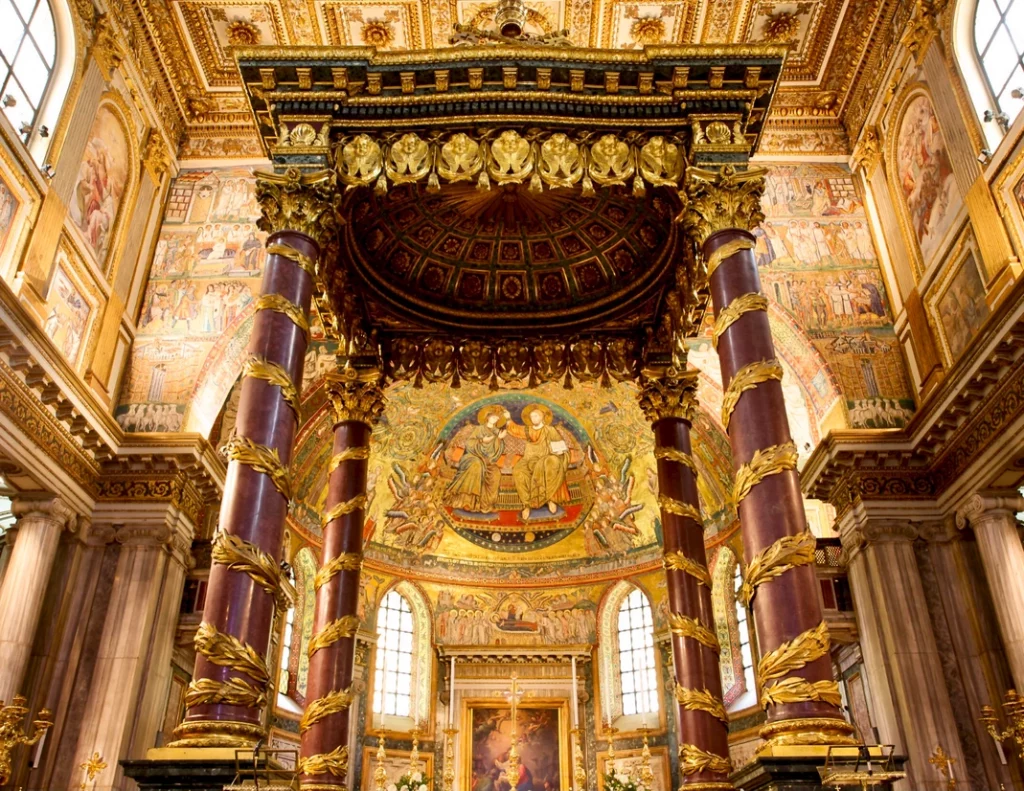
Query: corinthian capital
[723, 200]
[668, 393]
[356, 396]
[297, 201]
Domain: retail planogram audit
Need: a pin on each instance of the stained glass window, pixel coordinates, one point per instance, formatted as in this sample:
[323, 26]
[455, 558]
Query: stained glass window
[392, 685]
[637, 667]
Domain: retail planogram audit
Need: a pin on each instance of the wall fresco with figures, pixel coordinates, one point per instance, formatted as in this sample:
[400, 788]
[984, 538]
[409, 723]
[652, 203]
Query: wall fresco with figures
[206, 272]
[818, 264]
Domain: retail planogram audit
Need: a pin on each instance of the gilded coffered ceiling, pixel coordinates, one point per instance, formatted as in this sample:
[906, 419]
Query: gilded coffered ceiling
[835, 48]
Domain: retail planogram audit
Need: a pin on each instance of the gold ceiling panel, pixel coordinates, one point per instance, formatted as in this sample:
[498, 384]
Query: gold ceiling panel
[194, 41]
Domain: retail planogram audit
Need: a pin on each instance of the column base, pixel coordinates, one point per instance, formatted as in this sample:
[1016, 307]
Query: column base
[824, 732]
[217, 733]
[797, 771]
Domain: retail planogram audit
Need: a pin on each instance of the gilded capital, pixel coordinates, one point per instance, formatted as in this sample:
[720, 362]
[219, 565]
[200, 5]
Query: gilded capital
[356, 396]
[301, 202]
[727, 199]
[668, 393]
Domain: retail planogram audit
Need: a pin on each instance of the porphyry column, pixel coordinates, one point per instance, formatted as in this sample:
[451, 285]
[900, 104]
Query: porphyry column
[794, 671]
[228, 692]
[358, 402]
[669, 401]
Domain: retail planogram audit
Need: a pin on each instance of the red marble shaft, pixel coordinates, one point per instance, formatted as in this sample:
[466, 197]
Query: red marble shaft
[252, 508]
[330, 668]
[788, 605]
[696, 665]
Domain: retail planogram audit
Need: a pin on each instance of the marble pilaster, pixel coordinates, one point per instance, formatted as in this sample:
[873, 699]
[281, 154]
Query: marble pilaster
[992, 517]
[901, 657]
[41, 520]
[131, 676]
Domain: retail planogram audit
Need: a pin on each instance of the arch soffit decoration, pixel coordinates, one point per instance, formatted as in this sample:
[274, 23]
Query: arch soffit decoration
[723, 606]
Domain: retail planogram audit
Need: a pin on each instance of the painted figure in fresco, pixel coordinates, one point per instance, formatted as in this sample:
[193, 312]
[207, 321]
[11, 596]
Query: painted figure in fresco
[540, 474]
[477, 477]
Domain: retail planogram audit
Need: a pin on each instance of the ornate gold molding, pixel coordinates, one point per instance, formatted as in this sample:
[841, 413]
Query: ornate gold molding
[334, 763]
[350, 561]
[671, 505]
[349, 454]
[700, 700]
[286, 307]
[228, 651]
[106, 50]
[673, 454]
[772, 561]
[304, 262]
[727, 250]
[261, 459]
[799, 690]
[343, 508]
[233, 692]
[731, 313]
[684, 626]
[356, 397]
[747, 378]
[668, 393]
[677, 561]
[765, 462]
[722, 200]
[301, 202]
[794, 654]
[332, 703]
[693, 759]
[334, 631]
[273, 374]
[239, 555]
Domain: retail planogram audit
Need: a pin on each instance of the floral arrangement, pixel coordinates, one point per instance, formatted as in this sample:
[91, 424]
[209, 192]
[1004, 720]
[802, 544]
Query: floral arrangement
[415, 781]
[617, 781]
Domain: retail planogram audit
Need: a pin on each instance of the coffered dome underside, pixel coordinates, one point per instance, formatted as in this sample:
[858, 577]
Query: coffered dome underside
[512, 259]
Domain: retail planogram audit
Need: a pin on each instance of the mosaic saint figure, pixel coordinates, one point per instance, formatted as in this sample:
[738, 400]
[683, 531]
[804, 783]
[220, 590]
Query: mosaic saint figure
[477, 475]
[540, 474]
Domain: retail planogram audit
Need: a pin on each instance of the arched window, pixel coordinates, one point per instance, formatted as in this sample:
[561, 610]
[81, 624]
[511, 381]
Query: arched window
[28, 58]
[286, 648]
[637, 668]
[392, 683]
[999, 44]
[743, 627]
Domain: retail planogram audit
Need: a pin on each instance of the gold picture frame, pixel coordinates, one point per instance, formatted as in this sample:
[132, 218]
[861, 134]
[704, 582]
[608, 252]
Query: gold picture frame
[396, 764]
[629, 762]
[474, 752]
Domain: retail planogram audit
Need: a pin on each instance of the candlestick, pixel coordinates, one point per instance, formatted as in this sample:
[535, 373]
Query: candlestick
[449, 759]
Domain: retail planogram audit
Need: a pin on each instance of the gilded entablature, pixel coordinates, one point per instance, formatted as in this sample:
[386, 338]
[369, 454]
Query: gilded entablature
[192, 43]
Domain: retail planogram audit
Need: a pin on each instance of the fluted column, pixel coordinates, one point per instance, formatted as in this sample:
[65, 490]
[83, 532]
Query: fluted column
[40, 523]
[358, 402]
[995, 526]
[134, 657]
[794, 672]
[902, 664]
[668, 398]
[228, 692]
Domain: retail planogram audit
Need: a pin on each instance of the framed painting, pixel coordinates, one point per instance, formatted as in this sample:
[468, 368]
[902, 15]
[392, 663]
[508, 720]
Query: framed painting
[1008, 189]
[396, 764]
[18, 201]
[958, 302]
[542, 734]
[628, 762]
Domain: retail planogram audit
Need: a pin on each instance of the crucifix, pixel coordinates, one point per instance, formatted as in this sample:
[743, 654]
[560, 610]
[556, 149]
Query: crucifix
[511, 773]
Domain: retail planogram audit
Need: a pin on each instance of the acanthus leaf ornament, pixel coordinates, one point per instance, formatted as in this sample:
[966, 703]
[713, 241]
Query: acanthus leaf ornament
[724, 200]
[302, 202]
[668, 394]
[356, 397]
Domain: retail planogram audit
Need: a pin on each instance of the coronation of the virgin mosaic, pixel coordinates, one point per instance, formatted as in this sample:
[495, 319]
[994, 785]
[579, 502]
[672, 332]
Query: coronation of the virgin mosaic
[527, 395]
